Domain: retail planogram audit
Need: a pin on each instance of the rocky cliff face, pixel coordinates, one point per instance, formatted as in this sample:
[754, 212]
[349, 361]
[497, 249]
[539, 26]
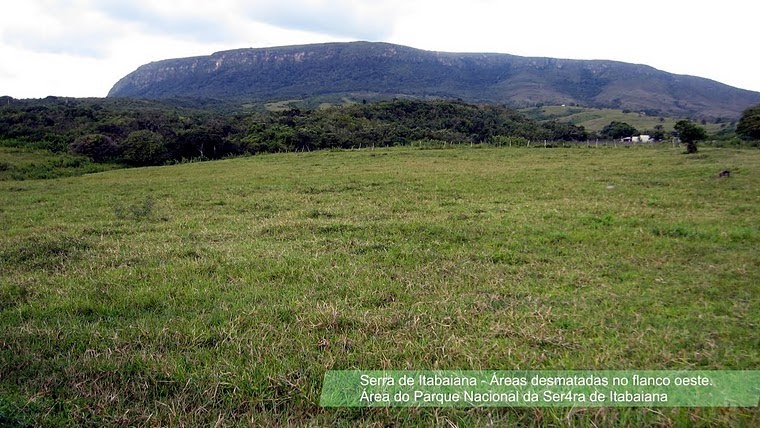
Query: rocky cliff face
[391, 70]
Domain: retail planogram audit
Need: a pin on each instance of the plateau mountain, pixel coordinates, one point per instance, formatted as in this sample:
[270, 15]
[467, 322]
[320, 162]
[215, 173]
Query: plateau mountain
[366, 70]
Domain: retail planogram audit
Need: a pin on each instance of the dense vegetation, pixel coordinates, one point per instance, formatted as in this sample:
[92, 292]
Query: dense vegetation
[150, 133]
[749, 124]
[617, 130]
[57, 137]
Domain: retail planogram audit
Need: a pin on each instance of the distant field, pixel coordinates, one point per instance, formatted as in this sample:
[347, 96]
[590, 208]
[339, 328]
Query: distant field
[315, 102]
[22, 164]
[219, 293]
[281, 105]
[596, 119]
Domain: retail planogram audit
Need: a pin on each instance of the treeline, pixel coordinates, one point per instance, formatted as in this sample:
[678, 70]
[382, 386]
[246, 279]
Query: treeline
[138, 132]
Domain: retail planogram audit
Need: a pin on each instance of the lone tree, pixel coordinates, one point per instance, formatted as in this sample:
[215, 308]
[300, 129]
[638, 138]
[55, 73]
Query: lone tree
[689, 134]
[749, 125]
[617, 130]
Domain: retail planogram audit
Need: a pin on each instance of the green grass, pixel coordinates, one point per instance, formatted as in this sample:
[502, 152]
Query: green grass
[594, 119]
[25, 164]
[220, 292]
[319, 102]
[281, 105]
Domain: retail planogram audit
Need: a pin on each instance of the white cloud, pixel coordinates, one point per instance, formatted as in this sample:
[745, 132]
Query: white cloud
[49, 27]
[366, 20]
[203, 22]
[703, 39]
[82, 48]
[36, 75]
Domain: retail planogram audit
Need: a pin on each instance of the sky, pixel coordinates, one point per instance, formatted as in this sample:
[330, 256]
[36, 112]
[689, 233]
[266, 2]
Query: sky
[80, 48]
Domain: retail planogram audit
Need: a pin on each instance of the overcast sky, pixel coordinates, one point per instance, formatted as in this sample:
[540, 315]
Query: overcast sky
[82, 47]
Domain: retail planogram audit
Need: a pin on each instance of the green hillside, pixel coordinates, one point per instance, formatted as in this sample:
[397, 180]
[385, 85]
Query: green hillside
[594, 119]
[219, 293]
[374, 71]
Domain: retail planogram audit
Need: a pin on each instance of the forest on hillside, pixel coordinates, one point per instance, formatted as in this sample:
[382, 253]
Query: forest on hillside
[137, 132]
[140, 132]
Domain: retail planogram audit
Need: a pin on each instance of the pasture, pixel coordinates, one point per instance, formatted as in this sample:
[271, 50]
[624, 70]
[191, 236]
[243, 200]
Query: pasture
[219, 293]
[595, 119]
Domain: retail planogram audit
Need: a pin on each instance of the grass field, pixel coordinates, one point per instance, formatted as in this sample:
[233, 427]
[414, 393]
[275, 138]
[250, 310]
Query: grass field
[219, 293]
[18, 163]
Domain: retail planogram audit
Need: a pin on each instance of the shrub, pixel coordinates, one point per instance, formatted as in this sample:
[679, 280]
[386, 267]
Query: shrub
[689, 134]
[144, 147]
[98, 147]
[749, 124]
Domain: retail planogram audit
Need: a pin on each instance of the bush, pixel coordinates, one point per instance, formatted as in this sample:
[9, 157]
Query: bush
[616, 130]
[749, 124]
[689, 134]
[144, 147]
[97, 147]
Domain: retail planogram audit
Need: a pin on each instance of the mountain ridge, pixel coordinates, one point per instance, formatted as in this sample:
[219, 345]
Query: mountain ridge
[386, 70]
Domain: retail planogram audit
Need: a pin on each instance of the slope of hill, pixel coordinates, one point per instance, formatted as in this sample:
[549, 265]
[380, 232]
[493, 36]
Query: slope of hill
[363, 69]
[595, 119]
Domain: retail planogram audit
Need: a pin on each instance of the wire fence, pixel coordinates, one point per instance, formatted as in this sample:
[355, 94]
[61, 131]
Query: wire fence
[525, 143]
[522, 142]
[602, 143]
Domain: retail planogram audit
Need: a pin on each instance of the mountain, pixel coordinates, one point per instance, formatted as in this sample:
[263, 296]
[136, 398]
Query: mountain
[371, 70]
